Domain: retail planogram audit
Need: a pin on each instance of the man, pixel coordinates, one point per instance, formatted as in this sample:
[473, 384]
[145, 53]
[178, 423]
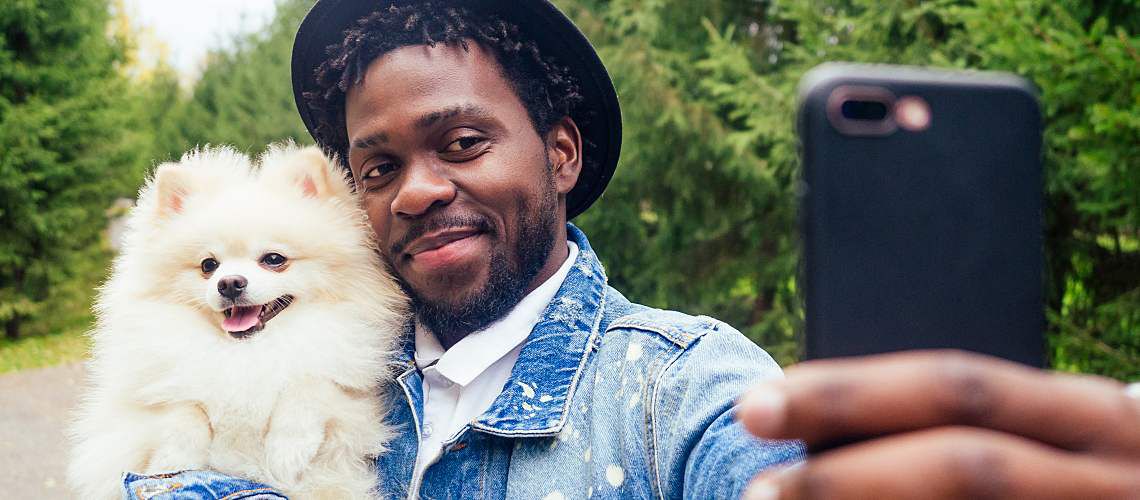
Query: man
[527, 375]
[474, 131]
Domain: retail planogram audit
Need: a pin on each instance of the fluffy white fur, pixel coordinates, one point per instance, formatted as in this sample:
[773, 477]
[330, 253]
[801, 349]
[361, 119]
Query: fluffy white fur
[294, 405]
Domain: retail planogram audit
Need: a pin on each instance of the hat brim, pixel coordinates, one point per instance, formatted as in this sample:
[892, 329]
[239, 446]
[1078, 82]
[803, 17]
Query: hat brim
[598, 116]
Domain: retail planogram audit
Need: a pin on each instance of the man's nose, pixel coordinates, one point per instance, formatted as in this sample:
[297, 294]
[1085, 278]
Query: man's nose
[424, 186]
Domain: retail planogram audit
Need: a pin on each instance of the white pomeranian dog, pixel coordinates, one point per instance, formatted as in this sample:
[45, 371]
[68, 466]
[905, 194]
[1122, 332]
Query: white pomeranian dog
[245, 329]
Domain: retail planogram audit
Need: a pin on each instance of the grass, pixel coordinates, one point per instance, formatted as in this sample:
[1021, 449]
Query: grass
[58, 337]
[42, 350]
[52, 339]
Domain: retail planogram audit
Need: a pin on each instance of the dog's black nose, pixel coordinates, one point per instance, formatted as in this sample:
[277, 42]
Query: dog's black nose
[232, 286]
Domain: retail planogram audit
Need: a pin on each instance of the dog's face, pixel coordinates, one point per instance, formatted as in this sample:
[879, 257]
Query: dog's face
[249, 283]
[242, 245]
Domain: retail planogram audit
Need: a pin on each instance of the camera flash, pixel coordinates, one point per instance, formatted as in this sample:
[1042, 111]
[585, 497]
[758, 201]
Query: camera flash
[912, 113]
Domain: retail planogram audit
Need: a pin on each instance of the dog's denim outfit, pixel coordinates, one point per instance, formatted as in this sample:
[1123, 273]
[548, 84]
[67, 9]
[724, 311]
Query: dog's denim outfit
[608, 399]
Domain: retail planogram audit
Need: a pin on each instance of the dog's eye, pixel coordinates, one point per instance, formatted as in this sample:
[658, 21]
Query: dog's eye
[209, 265]
[273, 260]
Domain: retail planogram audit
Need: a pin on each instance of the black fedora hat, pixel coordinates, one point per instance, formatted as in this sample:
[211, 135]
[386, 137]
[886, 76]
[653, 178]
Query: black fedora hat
[598, 116]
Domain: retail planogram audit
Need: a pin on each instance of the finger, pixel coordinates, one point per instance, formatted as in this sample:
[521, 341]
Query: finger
[826, 402]
[950, 462]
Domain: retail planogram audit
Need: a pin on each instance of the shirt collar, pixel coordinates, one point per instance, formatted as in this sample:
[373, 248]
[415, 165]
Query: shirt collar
[476, 352]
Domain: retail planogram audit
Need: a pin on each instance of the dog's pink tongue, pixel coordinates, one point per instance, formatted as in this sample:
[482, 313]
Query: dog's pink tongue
[242, 318]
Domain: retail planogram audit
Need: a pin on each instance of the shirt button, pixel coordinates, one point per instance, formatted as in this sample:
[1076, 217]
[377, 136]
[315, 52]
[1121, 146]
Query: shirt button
[427, 430]
[445, 383]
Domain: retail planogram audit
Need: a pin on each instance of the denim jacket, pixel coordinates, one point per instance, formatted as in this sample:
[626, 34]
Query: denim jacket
[608, 399]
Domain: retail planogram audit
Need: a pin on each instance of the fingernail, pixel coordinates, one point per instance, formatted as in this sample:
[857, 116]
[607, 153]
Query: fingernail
[764, 410]
[761, 488]
[1133, 390]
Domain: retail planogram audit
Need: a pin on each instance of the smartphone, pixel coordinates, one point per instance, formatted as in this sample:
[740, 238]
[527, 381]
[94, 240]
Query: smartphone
[920, 212]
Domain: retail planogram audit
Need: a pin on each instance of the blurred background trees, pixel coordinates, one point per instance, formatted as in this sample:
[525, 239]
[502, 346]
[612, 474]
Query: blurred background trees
[244, 96]
[66, 152]
[706, 189]
[701, 213]
[708, 179]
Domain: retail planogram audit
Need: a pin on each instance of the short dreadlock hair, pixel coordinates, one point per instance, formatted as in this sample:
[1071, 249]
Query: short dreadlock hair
[547, 89]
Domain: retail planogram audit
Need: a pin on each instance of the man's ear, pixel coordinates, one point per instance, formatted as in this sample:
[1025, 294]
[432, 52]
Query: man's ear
[564, 148]
[171, 186]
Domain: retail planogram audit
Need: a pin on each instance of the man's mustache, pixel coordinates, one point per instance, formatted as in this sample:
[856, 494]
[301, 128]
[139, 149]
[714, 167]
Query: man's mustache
[440, 222]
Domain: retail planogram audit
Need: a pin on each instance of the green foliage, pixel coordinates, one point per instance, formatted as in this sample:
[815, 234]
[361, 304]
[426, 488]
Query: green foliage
[699, 216]
[700, 213]
[244, 97]
[62, 155]
[42, 350]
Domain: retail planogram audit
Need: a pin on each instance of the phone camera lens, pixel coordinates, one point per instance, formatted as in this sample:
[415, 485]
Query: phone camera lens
[861, 111]
[864, 110]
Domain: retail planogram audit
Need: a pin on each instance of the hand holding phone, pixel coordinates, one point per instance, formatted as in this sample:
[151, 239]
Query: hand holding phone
[922, 224]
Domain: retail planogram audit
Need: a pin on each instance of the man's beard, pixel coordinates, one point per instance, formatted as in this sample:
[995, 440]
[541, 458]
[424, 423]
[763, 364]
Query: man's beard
[508, 278]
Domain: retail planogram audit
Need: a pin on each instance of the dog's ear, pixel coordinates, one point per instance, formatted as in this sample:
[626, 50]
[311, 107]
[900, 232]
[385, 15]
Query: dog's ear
[320, 176]
[171, 186]
[310, 171]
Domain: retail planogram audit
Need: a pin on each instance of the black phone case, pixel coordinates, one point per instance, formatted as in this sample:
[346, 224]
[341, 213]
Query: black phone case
[927, 239]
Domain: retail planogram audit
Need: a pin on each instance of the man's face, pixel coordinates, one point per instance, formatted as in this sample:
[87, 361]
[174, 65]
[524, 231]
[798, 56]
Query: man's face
[466, 199]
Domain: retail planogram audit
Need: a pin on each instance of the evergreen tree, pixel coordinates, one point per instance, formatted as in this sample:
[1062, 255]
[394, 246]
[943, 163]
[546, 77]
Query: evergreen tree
[244, 97]
[62, 114]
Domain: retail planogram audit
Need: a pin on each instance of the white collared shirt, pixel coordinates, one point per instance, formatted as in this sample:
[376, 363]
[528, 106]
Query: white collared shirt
[461, 383]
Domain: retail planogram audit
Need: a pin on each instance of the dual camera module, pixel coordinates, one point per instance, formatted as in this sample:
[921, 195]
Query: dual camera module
[875, 111]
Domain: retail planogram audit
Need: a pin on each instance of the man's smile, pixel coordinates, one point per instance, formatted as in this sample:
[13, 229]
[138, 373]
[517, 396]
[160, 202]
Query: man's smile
[443, 249]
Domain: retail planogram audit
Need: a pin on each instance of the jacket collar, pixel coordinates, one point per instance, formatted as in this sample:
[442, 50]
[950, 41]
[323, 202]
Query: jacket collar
[536, 398]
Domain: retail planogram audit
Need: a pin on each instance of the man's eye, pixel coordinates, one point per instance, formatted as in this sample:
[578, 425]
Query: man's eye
[273, 260]
[209, 265]
[378, 171]
[463, 144]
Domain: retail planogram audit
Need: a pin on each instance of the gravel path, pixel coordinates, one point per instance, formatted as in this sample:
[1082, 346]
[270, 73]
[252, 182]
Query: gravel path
[34, 407]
